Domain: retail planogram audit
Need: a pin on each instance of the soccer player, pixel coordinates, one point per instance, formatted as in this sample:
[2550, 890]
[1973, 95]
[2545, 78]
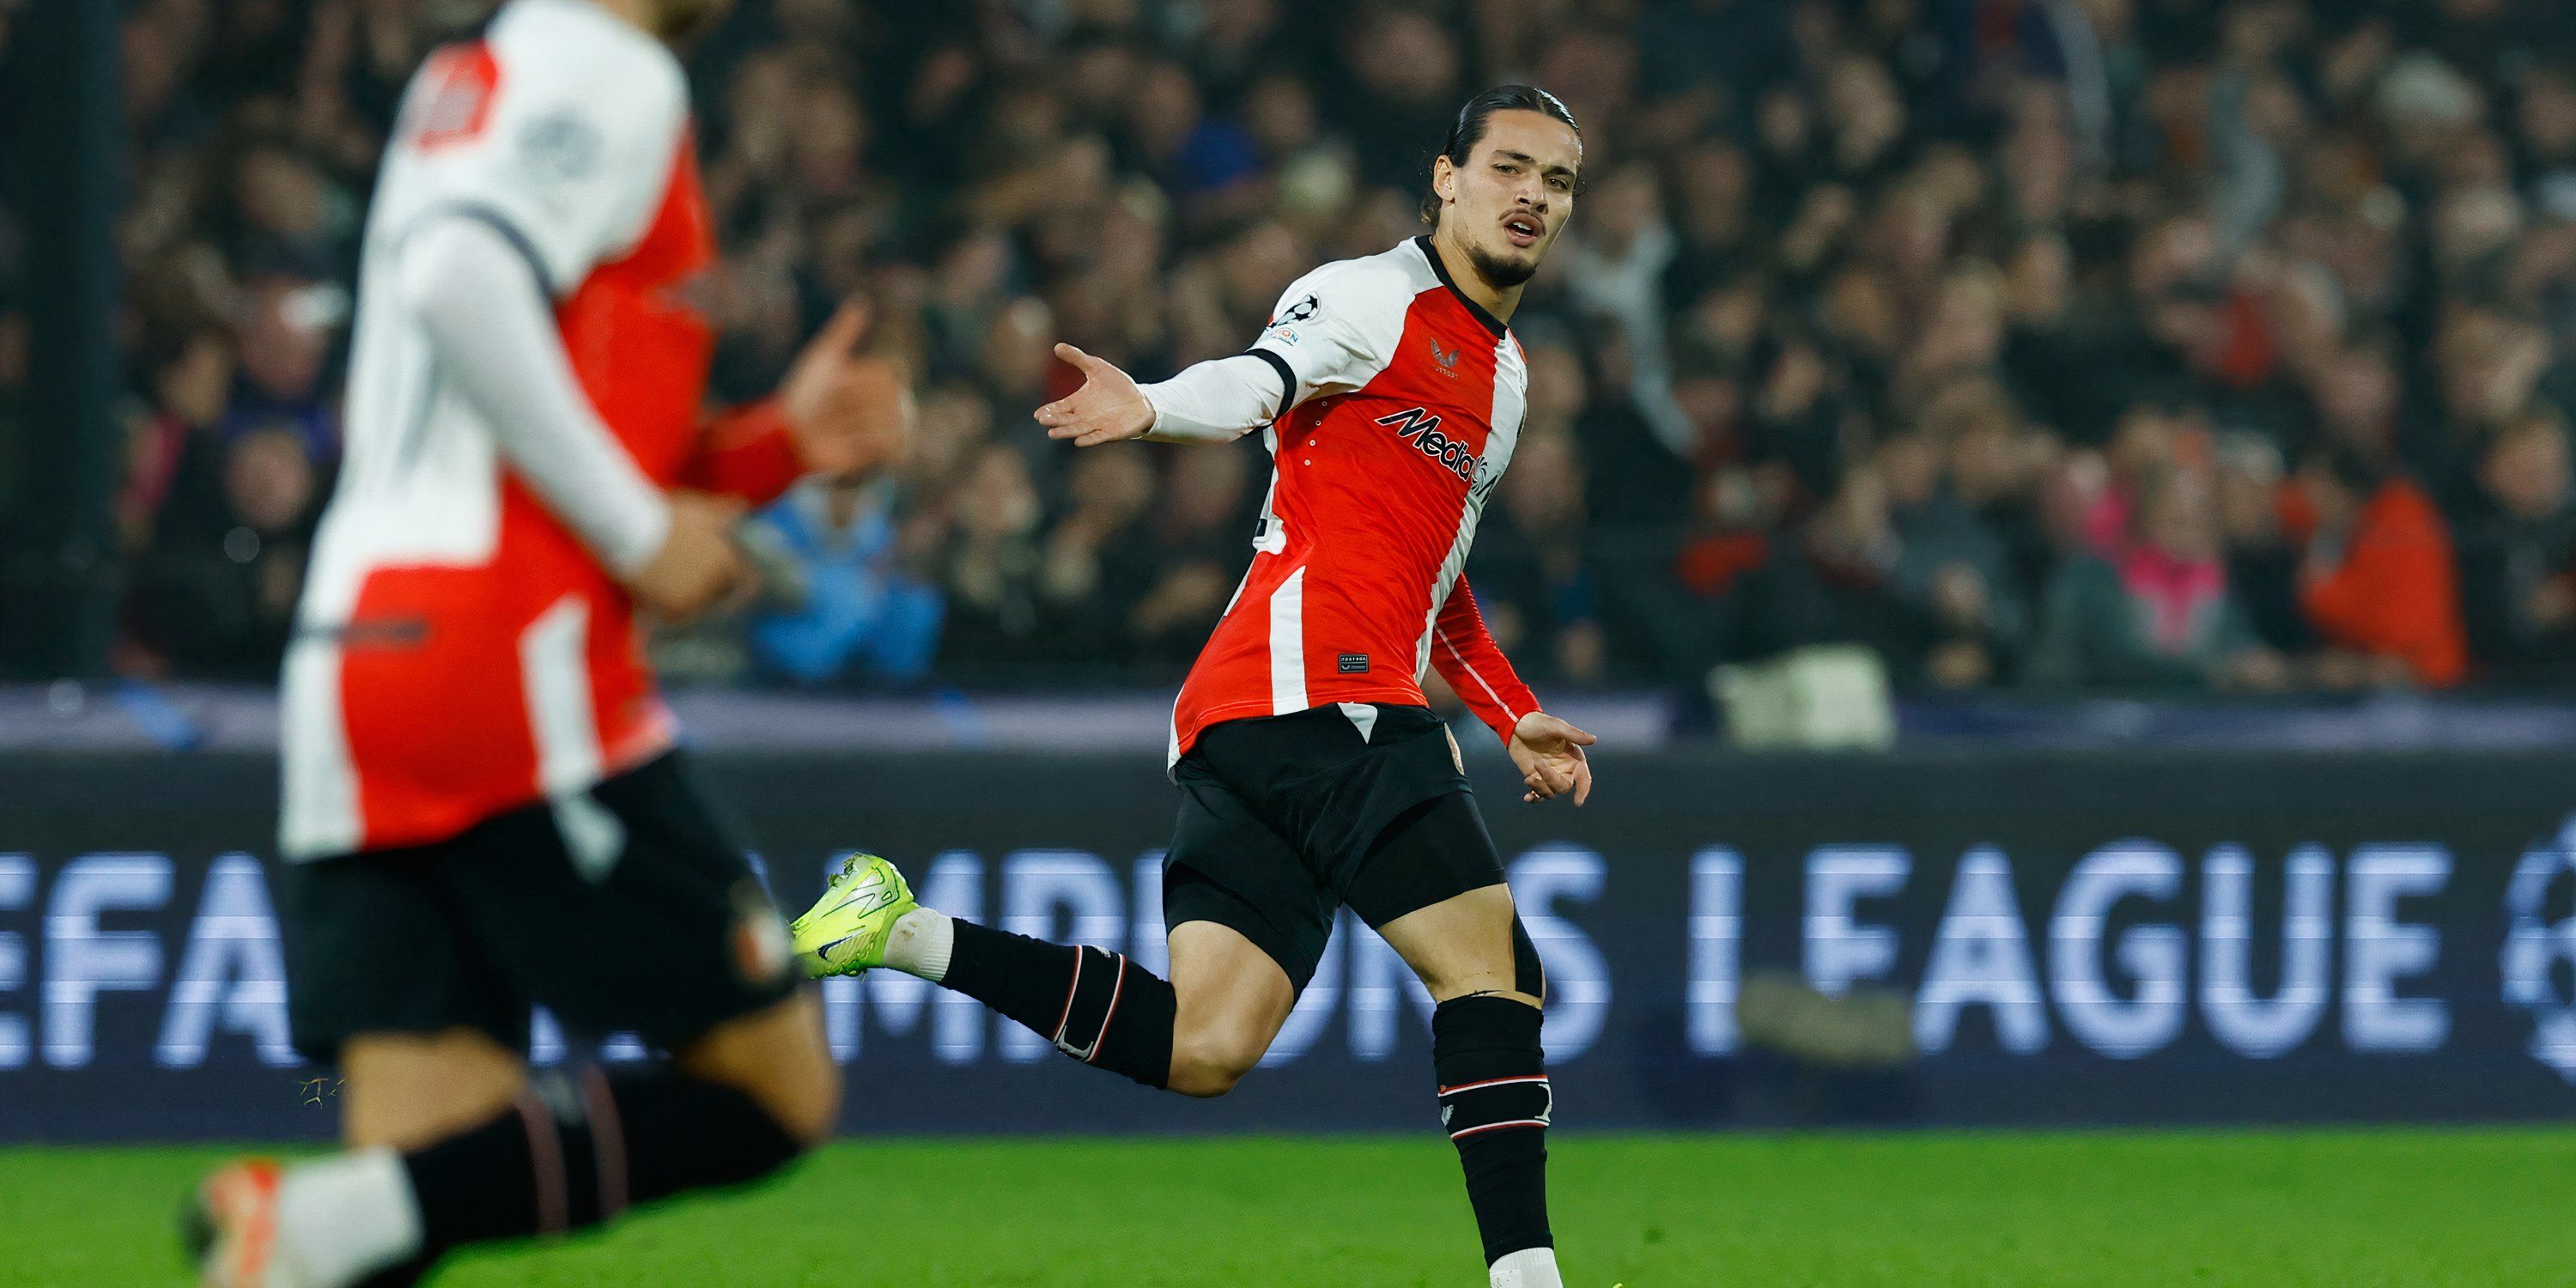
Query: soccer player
[1312, 775]
[483, 803]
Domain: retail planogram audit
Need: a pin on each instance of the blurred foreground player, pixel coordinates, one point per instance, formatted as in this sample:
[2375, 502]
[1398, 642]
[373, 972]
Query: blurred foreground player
[1312, 775]
[482, 799]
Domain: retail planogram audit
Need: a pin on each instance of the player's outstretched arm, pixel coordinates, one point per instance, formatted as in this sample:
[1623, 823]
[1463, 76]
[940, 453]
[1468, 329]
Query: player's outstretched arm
[1211, 402]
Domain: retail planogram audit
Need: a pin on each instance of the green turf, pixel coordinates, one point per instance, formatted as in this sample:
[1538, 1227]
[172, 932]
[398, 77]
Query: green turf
[2339, 1208]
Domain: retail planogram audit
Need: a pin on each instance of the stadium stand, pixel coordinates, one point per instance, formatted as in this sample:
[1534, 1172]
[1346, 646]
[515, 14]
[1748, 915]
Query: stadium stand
[2148, 346]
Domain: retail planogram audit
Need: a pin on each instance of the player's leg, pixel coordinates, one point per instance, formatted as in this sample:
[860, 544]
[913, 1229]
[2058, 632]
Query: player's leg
[404, 1090]
[630, 908]
[423, 1036]
[1235, 972]
[1433, 887]
[778, 1058]
[1233, 998]
[691, 956]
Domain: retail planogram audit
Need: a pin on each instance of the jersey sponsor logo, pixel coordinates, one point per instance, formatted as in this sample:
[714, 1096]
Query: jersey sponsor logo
[1447, 358]
[1351, 664]
[1420, 428]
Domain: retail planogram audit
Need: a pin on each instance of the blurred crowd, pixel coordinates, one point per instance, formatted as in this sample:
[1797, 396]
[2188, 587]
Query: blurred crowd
[2142, 345]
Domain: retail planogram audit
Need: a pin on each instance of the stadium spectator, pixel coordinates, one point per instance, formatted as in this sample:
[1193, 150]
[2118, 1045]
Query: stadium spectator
[2262, 562]
[993, 573]
[1207, 507]
[1819, 233]
[2378, 584]
[858, 613]
[2518, 560]
[286, 338]
[1101, 553]
[2155, 614]
[214, 593]
[189, 380]
[1538, 594]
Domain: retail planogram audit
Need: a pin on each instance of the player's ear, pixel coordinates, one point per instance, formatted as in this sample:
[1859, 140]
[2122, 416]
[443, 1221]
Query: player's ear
[1444, 178]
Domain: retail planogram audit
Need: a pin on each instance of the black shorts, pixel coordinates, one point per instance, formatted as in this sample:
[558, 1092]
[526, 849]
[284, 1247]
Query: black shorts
[647, 920]
[1286, 819]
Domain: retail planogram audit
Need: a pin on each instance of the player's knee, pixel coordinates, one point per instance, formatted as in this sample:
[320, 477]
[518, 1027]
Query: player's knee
[1209, 1063]
[779, 1059]
[1521, 977]
[405, 1090]
[1203, 1077]
[806, 1101]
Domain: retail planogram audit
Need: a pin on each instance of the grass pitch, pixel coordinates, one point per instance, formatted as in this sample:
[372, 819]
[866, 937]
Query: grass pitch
[2267, 1208]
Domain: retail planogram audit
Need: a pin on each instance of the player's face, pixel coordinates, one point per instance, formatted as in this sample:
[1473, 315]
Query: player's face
[1515, 193]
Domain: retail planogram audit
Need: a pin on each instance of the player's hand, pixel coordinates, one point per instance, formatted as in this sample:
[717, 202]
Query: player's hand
[698, 562]
[1109, 408]
[846, 410]
[1549, 753]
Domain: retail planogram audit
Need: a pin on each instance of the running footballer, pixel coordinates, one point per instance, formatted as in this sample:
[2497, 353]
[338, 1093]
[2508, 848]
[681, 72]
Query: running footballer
[1312, 774]
[483, 798]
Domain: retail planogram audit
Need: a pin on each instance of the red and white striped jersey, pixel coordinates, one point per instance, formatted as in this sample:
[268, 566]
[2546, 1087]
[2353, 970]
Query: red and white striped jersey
[460, 652]
[1404, 401]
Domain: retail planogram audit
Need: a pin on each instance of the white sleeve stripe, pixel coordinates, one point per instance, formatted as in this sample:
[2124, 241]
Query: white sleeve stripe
[1469, 668]
[493, 334]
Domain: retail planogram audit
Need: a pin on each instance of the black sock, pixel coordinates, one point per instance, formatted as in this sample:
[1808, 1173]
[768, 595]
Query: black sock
[1095, 1005]
[1495, 1104]
[579, 1148]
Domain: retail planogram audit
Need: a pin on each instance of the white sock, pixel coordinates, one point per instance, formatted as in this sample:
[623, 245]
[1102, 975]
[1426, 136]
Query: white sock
[1528, 1268]
[345, 1217]
[920, 944]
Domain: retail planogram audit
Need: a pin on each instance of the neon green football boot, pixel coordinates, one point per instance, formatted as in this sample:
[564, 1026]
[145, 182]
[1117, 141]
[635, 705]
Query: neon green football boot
[845, 932]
